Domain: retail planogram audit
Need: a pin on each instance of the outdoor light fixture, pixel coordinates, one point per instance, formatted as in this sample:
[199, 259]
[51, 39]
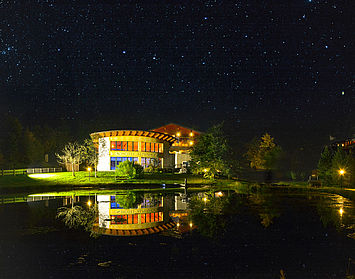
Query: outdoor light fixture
[191, 134]
[341, 173]
[178, 134]
[205, 199]
[178, 225]
[191, 142]
[190, 224]
[89, 203]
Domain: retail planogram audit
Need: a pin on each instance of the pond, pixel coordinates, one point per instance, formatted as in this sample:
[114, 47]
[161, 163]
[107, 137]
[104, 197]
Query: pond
[164, 234]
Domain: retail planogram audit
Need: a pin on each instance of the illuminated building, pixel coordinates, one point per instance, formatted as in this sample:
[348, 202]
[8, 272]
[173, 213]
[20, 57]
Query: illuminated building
[143, 147]
[168, 146]
[347, 145]
[181, 147]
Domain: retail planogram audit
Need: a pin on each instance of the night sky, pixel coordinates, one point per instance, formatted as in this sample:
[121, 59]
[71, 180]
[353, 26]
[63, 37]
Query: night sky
[286, 67]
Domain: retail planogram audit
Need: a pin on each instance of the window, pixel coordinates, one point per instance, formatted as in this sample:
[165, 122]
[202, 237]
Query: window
[151, 147]
[135, 146]
[113, 145]
[119, 145]
[115, 161]
[143, 219]
[130, 146]
[124, 146]
[118, 219]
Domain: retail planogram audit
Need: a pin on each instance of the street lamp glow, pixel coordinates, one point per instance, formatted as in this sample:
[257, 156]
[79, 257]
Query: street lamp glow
[204, 199]
[89, 168]
[89, 203]
[341, 211]
[341, 171]
[190, 224]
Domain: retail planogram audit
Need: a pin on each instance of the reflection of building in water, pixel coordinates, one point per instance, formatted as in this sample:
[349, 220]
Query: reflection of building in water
[149, 216]
[181, 213]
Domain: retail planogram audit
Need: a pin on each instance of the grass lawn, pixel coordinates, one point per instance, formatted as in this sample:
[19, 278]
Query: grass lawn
[103, 178]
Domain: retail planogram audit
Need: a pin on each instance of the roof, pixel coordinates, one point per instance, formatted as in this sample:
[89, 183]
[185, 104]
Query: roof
[173, 128]
[117, 133]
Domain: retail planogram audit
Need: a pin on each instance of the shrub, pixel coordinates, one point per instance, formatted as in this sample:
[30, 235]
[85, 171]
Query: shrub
[139, 170]
[126, 169]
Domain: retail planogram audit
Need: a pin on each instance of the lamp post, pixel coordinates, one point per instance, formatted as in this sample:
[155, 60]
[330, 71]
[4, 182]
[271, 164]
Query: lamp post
[89, 170]
[341, 173]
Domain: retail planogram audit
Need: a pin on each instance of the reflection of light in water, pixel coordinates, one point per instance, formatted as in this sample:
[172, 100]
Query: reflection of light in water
[219, 194]
[341, 211]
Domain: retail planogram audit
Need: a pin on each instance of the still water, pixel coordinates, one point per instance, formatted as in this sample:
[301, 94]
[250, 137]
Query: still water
[179, 235]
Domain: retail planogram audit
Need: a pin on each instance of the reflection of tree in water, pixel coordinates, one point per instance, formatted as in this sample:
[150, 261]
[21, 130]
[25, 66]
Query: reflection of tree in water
[265, 207]
[76, 217]
[328, 213]
[211, 216]
[129, 199]
[332, 212]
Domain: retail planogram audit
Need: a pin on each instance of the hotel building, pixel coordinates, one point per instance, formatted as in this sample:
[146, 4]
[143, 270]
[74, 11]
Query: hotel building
[168, 146]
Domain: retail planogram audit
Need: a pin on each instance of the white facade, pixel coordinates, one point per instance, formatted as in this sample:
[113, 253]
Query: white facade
[104, 154]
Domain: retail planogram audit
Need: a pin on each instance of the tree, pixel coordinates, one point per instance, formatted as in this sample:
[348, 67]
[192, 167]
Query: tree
[72, 155]
[324, 166]
[90, 154]
[210, 154]
[263, 154]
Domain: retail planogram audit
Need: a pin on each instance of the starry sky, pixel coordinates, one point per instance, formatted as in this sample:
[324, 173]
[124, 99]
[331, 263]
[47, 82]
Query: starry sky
[286, 67]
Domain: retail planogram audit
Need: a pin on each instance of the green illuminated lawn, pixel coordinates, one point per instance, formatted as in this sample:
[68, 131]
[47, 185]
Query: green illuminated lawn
[82, 179]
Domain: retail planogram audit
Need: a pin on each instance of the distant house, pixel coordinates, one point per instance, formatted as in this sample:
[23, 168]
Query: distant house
[348, 145]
